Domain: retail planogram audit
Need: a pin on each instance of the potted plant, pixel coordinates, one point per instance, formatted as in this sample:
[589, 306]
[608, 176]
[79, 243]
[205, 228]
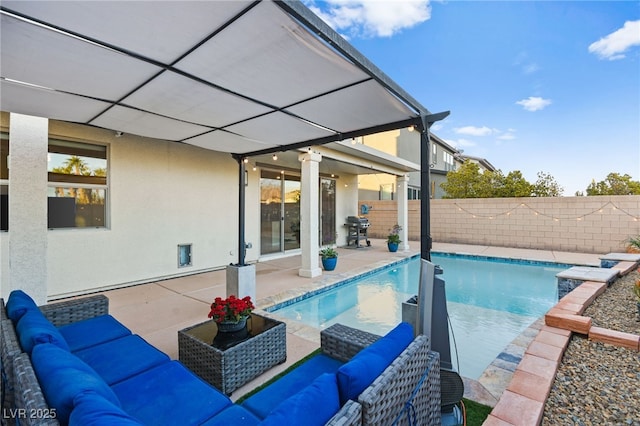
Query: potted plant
[633, 244]
[393, 239]
[231, 314]
[329, 258]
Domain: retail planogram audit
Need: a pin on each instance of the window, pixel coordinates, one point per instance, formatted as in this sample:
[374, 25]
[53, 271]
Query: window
[449, 163]
[386, 191]
[4, 181]
[434, 154]
[413, 193]
[78, 186]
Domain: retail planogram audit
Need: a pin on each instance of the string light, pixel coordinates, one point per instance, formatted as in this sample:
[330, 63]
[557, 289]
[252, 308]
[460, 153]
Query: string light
[275, 157]
[556, 218]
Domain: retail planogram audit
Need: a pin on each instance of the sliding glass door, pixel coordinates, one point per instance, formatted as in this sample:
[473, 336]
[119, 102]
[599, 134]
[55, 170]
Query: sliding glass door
[279, 212]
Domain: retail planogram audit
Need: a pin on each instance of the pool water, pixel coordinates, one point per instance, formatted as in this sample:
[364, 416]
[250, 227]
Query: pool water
[490, 302]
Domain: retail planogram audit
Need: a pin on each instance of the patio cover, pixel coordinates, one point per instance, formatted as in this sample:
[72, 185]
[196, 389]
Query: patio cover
[244, 77]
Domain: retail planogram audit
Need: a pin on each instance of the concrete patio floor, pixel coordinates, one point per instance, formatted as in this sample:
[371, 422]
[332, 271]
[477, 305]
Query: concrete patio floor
[156, 311]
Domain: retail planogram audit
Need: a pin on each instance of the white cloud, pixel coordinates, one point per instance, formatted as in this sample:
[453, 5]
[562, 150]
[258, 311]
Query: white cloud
[435, 127]
[473, 131]
[507, 136]
[534, 103]
[371, 18]
[613, 45]
[526, 65]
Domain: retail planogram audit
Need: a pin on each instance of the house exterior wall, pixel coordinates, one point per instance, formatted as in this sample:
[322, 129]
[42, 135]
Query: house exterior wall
[160, 194]
[574, 224]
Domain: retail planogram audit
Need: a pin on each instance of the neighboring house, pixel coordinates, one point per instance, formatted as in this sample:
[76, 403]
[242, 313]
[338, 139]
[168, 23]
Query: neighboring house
[132, 166]
[404, 143]
[483, 163]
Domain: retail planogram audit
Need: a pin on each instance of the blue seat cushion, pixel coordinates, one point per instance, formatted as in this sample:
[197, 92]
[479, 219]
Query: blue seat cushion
[91, 409]
[234, 415]
[33, 329]
[263, 402]
[93, 331]
[357, 374]
[63, 376]
[18, 303]
[119, 359]
[170, 394]
[312, 406]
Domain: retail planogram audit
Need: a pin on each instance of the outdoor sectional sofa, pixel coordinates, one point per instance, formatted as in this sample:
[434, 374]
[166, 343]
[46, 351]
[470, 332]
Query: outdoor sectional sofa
[72, 363]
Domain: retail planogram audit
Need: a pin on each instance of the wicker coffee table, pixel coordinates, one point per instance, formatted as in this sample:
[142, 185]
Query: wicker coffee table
[263, 347]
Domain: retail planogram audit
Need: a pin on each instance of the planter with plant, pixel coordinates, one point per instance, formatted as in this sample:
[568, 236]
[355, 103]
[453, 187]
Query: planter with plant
[633, 244]
[393, 239]
[231, 314]
[329, 258]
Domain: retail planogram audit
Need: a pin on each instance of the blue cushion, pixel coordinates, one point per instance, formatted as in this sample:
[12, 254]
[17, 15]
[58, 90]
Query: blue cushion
[91, 409]
[357, 374]
[19, 302]
[63, 376]
[312, 406]
[122, 358]
[263, 402]
[234, 415]
[93, 331]
[33, 328]
[169, 394]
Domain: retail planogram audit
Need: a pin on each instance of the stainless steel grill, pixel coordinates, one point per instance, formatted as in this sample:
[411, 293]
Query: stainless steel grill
[358, 227]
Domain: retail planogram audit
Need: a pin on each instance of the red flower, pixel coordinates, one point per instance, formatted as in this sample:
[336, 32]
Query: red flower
[230, 309]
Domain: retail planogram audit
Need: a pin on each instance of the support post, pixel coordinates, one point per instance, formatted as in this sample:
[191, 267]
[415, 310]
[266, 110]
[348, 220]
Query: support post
[309, 214]
[402, 183]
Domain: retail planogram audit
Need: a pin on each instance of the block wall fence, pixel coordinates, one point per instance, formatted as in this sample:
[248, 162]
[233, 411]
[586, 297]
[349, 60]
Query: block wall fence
[598, 224]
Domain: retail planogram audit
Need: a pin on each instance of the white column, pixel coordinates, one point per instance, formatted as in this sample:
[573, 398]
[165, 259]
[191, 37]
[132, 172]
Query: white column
[402, 183]
[28, 142]
[309, 215]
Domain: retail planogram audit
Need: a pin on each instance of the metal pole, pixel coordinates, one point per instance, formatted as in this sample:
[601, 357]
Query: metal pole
[242, 247]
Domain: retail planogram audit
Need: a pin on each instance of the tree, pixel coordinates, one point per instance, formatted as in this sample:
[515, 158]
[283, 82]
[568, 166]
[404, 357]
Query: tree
[546, 186]
[464, 182]
[470, 182]
[614, 184]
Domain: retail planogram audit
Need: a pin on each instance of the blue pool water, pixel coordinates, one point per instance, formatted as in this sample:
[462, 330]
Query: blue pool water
[490, 302]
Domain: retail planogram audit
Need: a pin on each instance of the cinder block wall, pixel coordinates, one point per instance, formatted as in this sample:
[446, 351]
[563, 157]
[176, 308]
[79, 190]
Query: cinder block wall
[575, 224]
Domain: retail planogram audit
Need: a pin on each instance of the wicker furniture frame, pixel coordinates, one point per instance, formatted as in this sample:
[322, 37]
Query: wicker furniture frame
[406, 393]
[229, 369]
[21, 390]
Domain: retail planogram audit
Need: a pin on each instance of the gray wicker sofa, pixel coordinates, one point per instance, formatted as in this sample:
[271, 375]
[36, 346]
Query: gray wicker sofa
[136, 388]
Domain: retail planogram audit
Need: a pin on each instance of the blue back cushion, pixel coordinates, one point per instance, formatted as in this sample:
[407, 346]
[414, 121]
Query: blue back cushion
[33, 329]
[91, 409]
[63, 377]
[312, 406]
[357, 374]
[19, 302]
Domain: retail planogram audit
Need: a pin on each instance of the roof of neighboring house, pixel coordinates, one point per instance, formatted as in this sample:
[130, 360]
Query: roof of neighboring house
[482, 161]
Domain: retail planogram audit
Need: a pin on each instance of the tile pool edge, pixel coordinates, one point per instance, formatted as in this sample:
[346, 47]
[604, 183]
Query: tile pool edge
[282, 300]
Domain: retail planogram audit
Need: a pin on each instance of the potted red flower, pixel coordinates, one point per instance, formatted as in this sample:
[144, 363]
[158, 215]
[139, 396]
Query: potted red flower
[231, 313]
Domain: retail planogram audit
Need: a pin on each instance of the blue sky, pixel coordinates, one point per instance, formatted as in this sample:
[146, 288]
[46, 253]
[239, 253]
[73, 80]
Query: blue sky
[535, 86]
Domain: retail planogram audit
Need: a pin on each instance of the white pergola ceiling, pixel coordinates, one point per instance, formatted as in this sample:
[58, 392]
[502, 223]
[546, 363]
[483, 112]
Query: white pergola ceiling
[233, 76]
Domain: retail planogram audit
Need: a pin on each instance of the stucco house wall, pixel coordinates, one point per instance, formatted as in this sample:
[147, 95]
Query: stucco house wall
[161, 194]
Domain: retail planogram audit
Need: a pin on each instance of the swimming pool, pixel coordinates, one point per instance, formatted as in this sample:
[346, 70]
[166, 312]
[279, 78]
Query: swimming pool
[490, 302]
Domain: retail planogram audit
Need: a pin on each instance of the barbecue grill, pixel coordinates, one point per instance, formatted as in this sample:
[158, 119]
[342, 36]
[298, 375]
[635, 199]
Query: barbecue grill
[358, 227]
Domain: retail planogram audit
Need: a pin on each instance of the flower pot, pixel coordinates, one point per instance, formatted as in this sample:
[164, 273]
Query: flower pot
[231, 326]
[329, 263]
[393, 247]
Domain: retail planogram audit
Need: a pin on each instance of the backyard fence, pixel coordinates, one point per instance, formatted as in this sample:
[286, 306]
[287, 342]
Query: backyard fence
[599, 224]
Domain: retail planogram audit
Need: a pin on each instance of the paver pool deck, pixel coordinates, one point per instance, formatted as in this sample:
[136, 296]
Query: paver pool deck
[157, 310]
